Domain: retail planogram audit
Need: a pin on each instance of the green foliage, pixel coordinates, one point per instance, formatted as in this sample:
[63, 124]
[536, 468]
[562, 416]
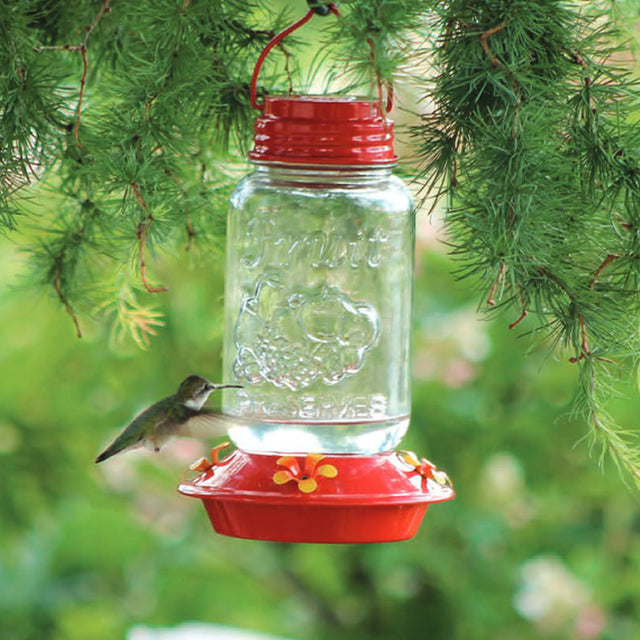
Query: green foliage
[91, 551]
[374, 38]
[532, 141]
[135, 151]
[122, 126]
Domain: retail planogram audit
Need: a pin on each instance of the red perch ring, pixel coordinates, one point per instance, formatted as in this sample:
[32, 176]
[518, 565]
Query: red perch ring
[319, 498]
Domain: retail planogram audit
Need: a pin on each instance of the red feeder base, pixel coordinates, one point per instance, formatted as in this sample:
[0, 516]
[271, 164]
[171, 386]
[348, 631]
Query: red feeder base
[316, 498]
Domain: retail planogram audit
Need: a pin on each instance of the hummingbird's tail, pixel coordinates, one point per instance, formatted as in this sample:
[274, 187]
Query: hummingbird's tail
[103, 456]
[121, 443]
[107, 453]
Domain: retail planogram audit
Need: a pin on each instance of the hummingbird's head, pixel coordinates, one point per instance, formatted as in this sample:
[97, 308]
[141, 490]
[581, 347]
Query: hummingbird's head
[194, 391]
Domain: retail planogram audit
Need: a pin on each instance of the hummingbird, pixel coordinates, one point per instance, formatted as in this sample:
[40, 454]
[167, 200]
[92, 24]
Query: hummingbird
[175, 415]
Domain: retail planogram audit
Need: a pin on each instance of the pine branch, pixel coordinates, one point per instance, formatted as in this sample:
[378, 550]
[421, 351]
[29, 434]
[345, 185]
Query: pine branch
[60, 259]
[131, 319]
[530, 140]
[142, 232]
[375, 39]
[531, 143]
[165, 81]
[606, 435]
[31, 97]
[82, 50]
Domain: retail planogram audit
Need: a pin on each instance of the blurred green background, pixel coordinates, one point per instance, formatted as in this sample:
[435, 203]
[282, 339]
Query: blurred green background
[539, 543]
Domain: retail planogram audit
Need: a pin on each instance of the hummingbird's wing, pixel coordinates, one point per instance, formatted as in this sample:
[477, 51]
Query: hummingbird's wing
[135, 433]
[207, 423]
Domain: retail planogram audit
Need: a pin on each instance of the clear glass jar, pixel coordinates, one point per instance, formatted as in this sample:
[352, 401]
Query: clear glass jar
[318, 303]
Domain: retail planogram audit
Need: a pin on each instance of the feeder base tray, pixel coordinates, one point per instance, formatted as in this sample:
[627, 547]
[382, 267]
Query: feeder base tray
[316, 498]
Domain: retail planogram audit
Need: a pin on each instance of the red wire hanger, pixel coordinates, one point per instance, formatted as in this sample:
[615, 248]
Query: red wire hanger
[318, 8]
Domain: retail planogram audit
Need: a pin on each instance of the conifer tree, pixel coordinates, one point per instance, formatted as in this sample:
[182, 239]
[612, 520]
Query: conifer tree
[134, 116]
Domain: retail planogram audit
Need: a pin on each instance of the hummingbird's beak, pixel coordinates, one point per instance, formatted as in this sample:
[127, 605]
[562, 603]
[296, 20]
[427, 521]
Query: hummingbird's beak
[226, 386]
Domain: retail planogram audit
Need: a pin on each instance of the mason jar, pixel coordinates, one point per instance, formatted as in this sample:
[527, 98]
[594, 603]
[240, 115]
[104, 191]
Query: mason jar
[318, 285]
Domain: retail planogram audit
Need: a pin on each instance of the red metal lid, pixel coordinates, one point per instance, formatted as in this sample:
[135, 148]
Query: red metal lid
[318, 498]
[323, 130]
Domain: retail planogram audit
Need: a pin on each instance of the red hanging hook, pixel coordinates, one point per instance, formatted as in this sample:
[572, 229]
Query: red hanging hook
[390, 97]
[330, 8]
[281, 36]
[322, 10]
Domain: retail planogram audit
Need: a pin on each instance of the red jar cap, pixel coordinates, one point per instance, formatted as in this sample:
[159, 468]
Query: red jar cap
[323, 130]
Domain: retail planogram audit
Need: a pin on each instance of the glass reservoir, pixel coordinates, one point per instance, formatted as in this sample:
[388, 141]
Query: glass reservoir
[318, 289]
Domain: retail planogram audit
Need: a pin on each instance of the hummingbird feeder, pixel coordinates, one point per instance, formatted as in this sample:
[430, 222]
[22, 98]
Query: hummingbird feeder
[318, 304]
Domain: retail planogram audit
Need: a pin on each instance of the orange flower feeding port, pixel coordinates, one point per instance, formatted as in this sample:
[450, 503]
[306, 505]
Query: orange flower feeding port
[318, 302]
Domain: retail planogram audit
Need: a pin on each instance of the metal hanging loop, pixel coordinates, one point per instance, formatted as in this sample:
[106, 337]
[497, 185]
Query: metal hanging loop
[316, 8]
